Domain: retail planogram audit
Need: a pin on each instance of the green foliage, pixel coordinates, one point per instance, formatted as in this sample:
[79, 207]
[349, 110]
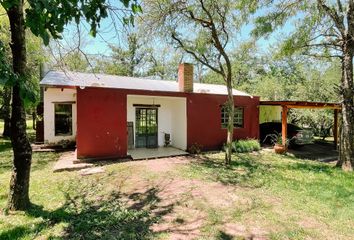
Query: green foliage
[75, 61]
[47, 18]
[5, 67]
[245, 146]
[277, 138]
[127, 61]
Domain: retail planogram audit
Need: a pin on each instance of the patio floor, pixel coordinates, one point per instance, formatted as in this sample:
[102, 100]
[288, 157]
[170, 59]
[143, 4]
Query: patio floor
[147, 153]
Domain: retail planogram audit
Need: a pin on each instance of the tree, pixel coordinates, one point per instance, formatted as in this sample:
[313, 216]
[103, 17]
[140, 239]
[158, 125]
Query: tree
[75, 61]
[201, 28]
[46, 19]
[245, 63]
[128, 60]
[324, 29]
[162, 62]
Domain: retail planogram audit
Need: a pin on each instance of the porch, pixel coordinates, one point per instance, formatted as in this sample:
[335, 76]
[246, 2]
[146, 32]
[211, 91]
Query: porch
[150, 153]
[150, 119]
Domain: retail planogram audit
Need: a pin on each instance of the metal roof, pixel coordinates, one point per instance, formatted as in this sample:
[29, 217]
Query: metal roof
[75, 79]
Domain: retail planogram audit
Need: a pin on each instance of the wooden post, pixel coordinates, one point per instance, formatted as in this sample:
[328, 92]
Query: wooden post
[284, 124]
[335, 128]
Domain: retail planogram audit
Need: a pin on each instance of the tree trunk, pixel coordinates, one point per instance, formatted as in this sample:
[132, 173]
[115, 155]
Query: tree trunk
[7, 112]
[19, 184]
[230, 121]
[346, 154]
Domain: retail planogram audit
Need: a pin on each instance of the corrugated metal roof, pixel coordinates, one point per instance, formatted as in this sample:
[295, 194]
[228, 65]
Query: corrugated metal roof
[74, 79]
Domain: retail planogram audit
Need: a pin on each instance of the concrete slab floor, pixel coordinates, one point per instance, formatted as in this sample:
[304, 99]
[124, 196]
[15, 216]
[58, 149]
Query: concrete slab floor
[66, 163]
[147, 153]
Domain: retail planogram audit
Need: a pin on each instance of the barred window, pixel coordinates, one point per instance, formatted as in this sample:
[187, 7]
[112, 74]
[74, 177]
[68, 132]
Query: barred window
[238, 117]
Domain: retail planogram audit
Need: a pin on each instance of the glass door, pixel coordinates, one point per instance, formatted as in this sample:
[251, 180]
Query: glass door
[146, 128]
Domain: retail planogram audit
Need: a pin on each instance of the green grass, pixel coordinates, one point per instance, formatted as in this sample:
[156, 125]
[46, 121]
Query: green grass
[280, 196]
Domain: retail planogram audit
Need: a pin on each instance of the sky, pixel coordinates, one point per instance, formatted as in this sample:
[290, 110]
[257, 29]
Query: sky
[113, 34]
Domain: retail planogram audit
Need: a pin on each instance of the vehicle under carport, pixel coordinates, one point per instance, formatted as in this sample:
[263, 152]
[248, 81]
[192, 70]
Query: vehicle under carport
[320, 150]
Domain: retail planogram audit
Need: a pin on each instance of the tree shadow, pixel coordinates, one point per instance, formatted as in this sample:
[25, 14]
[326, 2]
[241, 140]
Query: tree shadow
[88, 215]
[224, 236]
[308, 166]
[5, 155]
[5, 144]
[41, 160]
[243, 171]
[319, 151]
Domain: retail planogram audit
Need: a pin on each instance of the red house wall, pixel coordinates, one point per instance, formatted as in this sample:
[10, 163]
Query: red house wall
[204, 120]
[101, 123]
[102, 120]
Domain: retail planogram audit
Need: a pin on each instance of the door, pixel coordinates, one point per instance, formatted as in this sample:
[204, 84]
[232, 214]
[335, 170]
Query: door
[146, 128]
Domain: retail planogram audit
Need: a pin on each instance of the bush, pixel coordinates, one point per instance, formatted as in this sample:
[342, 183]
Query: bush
[195, 148]
[243, 146]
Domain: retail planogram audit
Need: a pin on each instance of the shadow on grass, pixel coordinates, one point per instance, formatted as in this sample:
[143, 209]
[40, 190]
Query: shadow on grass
[254, 171]
[87, 215]
[309, 166]
[5, 155]
[319, 151]
[224, 236]
[5, 144]
[40, 160]
[243, 171]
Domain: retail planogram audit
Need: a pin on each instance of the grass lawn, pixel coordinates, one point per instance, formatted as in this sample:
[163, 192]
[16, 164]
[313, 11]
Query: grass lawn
[261, 195]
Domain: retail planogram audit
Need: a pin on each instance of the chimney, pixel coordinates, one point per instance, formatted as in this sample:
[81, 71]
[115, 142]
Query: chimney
[185, 77]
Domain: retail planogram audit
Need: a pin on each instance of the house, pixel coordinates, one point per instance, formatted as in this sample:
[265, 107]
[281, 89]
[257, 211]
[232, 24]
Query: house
[107, 115]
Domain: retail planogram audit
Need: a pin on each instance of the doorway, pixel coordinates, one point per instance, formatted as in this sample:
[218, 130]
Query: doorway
[146, 128]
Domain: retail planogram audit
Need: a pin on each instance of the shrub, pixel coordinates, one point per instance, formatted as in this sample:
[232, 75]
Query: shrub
[195, 148]
[243, 146]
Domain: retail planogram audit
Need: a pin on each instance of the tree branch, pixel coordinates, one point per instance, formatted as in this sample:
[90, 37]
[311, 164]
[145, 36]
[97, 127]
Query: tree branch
[339, 22]
[203, 61]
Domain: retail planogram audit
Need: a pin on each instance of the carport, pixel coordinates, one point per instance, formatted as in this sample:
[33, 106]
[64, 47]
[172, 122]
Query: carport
[286, 105]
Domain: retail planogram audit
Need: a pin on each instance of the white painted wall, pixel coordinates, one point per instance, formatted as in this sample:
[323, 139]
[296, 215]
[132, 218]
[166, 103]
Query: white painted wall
[179, 123]
[56, 95]
[172, 117]
[269, 114]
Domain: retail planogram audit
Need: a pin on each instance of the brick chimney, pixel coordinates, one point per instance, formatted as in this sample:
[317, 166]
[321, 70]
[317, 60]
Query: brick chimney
[185, 77]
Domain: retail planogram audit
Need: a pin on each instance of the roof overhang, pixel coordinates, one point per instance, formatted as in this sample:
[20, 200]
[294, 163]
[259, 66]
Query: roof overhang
[302, 104]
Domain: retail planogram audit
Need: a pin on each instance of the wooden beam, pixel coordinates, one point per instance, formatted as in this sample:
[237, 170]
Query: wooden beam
[284, 124]
[302, 104]
[147, 105]
[314, 107]
[335, 128]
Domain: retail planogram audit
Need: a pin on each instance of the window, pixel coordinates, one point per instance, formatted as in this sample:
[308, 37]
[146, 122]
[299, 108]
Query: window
[238, 117]
[63, 119]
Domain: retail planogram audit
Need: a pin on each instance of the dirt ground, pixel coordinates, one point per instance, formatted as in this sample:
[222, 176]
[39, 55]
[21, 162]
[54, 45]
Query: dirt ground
[184, 205]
